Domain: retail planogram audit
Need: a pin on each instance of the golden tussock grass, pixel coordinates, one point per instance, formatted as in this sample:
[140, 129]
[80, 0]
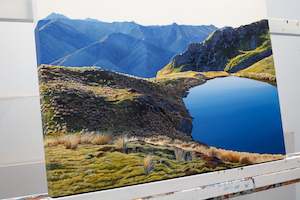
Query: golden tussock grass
[121, 143]
[72, 141]
[101, 139]
[245, 157]
[224, 155]
[86, 138]
[148, 164]
[179, 154]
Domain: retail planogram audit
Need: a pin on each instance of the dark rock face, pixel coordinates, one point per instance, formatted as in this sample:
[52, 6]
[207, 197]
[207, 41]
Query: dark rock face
[185, 125]
[97, 100]
[224, 44]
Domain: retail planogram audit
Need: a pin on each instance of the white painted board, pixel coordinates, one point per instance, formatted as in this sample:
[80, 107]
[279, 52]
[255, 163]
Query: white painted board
[16, 10]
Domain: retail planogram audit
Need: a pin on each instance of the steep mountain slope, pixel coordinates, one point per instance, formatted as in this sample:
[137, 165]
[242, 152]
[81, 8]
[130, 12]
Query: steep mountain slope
[55, 40]
[103, 53]
[122, 53]
[228, 49]
[57, 44]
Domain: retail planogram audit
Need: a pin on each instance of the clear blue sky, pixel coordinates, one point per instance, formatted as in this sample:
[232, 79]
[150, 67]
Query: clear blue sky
[197, 12]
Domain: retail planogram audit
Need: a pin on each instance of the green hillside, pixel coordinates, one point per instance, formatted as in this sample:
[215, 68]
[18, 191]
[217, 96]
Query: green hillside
[244, 51]
[247, 55]
[104, 130]
[264, 66]
[263, 70]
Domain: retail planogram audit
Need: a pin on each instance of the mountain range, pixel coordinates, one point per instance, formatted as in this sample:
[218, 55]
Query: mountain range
[125, 47]
[227, 49]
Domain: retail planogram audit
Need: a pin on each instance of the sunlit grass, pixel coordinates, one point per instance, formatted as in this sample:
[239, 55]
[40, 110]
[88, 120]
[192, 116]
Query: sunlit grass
[263, 66]
[215, 74]
[81, 170]
[71, 141]
[91, 167]
[246, 55]
[176, 75]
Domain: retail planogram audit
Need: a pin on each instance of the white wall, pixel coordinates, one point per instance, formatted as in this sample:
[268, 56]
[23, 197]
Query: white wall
[287, 60]
[21, 147]
[20, 123]
[21, 12]
[286, 54]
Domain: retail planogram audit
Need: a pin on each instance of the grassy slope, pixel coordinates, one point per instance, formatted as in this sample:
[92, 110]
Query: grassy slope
[263, 70]
[169, 69]
[90, 167]
[264, 66]
[177, 75]
[77, 171]
[246, 55]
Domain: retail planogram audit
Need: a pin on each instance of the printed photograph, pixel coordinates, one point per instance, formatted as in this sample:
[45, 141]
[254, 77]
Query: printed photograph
[134, 91]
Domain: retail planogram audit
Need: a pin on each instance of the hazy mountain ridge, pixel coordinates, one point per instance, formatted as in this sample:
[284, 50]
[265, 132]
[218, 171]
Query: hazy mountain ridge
[62, 38]
[56, 40]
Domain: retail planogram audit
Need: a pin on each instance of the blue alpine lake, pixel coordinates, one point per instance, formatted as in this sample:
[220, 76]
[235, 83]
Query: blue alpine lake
[237, 114]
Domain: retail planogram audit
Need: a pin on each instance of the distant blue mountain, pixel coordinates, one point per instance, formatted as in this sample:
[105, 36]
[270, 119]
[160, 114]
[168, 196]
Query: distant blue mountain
[122, 53]
[57, 39]
[56, 16]
[122, 46]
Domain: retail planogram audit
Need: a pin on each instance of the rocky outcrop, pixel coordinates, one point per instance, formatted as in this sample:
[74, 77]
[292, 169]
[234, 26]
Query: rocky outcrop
[89, 99]
[244, 45]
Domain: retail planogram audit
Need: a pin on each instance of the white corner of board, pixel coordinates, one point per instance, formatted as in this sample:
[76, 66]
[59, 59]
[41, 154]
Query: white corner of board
[285, 27]
[16, 11]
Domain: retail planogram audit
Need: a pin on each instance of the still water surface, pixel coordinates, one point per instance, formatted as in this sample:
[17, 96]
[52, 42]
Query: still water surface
[237, 114]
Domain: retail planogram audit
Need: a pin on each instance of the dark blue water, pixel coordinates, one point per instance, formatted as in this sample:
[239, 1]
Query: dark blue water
[237, 114]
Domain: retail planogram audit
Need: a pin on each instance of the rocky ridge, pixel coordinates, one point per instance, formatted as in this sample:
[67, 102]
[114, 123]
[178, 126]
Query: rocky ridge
[227, 49]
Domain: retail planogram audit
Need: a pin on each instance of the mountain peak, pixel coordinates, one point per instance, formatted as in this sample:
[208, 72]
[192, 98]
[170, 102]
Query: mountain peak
[222, 50]
[56, 16]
